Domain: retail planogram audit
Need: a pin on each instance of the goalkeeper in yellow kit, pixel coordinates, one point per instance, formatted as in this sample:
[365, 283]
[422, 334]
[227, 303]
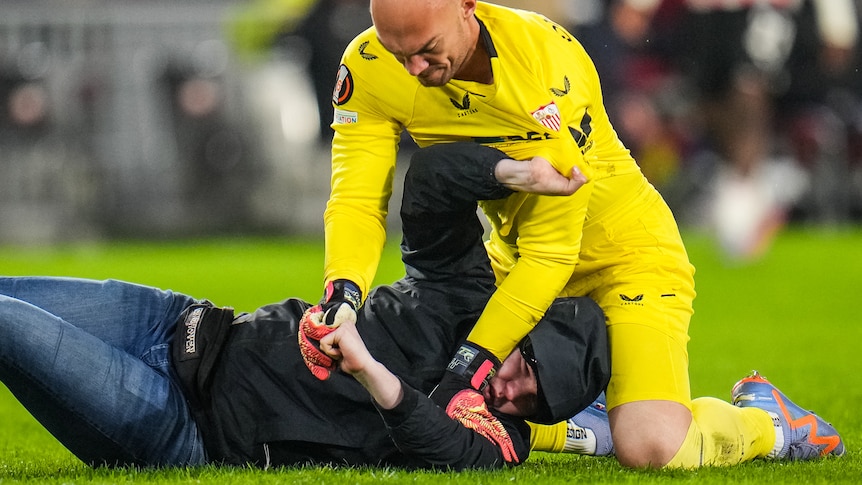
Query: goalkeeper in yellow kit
[465, 71]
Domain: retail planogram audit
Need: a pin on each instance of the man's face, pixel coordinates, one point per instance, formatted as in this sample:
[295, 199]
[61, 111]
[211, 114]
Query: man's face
[514, 389]
[432, 45]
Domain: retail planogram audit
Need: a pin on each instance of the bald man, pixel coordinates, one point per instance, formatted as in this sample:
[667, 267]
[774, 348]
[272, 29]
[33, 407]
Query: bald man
[519, 87]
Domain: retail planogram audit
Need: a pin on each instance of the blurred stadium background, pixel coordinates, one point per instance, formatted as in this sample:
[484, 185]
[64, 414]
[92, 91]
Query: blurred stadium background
[175, 118]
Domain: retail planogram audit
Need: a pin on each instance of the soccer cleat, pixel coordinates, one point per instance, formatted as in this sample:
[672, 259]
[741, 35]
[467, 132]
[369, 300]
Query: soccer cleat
[589, 432]
[800, 434]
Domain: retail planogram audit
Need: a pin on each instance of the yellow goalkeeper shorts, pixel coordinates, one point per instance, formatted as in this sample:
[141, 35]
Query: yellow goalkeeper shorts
[634, 264]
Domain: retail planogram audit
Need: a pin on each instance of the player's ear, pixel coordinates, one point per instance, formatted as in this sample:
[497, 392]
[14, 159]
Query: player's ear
[467, 8]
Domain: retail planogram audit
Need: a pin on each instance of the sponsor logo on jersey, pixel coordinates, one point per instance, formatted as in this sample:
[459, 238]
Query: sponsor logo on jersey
[548, 115]
[562, 92]
[344, 117]
[366, 55]
[582, 136]
[632, 300]
[464, 104]
[343, 86]
[512, 139]
[464, 107]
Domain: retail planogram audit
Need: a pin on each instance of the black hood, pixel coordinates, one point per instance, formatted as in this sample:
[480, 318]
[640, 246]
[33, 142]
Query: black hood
[571, 358]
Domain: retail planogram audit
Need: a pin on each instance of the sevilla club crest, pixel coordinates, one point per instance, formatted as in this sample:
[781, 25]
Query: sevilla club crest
[548, 115]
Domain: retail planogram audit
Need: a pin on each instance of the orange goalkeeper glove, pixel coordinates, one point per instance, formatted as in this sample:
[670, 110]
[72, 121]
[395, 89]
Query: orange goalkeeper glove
[340, 301]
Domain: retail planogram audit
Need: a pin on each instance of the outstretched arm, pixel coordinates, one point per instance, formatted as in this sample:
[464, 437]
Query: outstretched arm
[345, 346]
[537, 176]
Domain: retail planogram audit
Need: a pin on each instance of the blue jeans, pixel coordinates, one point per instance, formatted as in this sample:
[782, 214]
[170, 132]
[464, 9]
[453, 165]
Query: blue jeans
[90, 361]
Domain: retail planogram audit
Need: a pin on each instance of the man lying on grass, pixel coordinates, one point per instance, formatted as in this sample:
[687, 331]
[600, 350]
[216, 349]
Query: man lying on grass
[124, 374]
[90, 360]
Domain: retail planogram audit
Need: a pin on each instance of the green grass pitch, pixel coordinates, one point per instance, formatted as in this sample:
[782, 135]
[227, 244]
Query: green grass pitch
[794, 315]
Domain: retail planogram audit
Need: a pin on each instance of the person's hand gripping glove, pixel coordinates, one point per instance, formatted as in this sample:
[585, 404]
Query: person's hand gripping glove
[460, 394]
[340, 301]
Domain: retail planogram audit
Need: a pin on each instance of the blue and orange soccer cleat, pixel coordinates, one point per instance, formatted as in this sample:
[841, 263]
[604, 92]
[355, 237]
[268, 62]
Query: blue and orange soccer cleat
[803, 436]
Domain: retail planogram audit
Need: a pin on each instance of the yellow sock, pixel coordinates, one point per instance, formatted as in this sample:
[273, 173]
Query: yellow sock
[548, 437]
[723, 434]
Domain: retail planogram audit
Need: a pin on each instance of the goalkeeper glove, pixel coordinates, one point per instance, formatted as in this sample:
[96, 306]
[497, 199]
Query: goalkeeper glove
[472, 367]
[468, 407]
[340, 301]
[460, 394]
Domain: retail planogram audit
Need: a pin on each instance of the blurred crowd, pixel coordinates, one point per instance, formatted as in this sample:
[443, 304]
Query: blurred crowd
[745, 114]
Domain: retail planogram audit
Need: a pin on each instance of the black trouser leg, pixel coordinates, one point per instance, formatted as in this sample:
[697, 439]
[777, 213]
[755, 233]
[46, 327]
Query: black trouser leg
[442, 234]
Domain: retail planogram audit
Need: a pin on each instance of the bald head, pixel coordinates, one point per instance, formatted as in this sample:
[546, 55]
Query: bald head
[397, 14]
[433, 39]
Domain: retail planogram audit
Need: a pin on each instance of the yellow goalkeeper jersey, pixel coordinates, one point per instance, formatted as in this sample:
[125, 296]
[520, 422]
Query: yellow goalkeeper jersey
[545, 100]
